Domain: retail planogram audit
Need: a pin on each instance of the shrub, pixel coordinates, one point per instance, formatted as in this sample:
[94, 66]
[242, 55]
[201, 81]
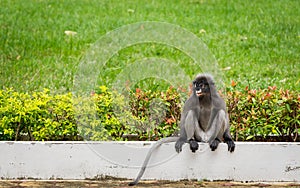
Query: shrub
[36, 117]
[103, 116]
[262, 114]
[256, 115]
[145, 115]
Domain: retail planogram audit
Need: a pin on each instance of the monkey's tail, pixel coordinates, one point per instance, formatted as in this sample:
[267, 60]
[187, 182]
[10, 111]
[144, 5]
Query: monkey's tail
[156, 145]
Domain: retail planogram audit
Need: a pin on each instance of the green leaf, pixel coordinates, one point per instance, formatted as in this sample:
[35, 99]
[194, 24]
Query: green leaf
[249, 137]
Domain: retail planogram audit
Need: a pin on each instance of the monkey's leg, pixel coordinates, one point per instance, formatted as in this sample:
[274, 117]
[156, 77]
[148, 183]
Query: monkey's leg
[221, 122]
[216, 129]
[191, 125]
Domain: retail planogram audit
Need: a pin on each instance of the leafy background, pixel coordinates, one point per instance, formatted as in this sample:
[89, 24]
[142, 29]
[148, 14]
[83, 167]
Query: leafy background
[256, 44]
[259, 115]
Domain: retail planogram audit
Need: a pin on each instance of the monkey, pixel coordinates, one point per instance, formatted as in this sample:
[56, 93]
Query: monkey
[203, 119]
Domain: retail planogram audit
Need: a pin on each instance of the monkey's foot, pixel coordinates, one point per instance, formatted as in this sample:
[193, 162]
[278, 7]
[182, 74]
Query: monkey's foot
[194, 145]
[214, 145]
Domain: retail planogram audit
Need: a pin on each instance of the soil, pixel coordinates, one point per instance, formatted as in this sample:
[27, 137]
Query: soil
[124, 183]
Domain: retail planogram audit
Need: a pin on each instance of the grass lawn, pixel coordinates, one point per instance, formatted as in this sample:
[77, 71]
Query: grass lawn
[256, 43]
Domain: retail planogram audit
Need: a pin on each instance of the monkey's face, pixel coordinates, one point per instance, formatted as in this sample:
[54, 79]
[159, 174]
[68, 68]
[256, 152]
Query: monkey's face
[201, 88]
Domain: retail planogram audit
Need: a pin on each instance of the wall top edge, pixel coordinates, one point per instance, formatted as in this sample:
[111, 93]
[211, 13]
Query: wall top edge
[133, 142]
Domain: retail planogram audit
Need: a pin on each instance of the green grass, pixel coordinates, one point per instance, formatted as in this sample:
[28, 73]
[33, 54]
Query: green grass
[258, 40]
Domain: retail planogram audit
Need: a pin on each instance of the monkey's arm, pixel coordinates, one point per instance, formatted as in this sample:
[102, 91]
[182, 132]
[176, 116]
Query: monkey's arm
[183, 135]
[155, 146]
[190, 131]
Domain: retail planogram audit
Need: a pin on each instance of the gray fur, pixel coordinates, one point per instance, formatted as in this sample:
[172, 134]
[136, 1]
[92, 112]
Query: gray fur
[204, 119]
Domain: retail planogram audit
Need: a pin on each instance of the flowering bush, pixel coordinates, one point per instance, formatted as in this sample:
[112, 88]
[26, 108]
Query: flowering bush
[264, 114]
[269, 114]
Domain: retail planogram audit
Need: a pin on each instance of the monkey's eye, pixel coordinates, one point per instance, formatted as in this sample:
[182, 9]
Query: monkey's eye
[205, 86]
[197, 84]
[202, 84]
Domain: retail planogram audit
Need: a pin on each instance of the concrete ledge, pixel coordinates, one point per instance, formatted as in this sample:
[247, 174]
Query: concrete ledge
[251, 161]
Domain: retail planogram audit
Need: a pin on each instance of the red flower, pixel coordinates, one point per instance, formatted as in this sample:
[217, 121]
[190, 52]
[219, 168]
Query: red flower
[272, 88]
[267, 96]
[233, 83]
[252, 91]
[137, 90]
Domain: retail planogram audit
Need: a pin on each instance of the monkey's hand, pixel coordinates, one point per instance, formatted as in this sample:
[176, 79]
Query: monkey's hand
[231, 145]
[178, 145]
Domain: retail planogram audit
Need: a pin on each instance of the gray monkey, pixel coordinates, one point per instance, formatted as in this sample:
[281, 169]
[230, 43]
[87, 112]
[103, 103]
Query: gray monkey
[204, 119]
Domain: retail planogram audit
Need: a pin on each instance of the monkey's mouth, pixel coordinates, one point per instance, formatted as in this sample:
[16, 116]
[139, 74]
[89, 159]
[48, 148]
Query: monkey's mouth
[199, 93]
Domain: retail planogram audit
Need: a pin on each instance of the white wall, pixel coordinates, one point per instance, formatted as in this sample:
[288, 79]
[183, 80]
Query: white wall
[79, 160]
